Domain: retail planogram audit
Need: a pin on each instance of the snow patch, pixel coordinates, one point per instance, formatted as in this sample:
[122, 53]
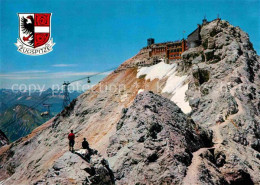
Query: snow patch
[140, 90]
[175, 85]
[179, 99]
[159, 71]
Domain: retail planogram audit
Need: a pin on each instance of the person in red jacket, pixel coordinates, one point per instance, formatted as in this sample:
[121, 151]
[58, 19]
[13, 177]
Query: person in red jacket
[71, 138]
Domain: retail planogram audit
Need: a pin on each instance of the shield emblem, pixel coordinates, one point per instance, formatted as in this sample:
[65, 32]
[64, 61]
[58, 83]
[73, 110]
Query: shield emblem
[34, 28]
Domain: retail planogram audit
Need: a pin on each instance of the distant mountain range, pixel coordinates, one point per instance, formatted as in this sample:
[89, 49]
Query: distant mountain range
[19, 120]
[9, 98]
[20, 112]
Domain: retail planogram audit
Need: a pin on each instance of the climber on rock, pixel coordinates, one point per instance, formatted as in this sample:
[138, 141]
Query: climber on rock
[85, 144]
[71, 138]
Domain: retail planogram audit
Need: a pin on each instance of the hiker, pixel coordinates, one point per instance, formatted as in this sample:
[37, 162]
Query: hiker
[85, 144]
[71, 138]
[87, 150]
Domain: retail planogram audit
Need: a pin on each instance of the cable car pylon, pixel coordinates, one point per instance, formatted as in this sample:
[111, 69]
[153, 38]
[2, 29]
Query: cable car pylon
[66, 99]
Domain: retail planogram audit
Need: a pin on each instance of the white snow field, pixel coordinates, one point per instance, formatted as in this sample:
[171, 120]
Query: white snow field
[175, 85]
[159, 71]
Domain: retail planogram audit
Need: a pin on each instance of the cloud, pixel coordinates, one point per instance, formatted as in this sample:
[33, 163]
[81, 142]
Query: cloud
[20, 76]
[30, 71]
[64, 65]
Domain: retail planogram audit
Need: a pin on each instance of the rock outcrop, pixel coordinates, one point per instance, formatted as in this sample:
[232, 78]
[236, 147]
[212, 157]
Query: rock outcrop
[224, 93]
[3, 139]
[154, 142]
[72, 168]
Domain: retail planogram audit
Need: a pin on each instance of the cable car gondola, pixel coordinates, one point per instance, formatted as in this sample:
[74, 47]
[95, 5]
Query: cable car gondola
[48, 112]
[45, 114]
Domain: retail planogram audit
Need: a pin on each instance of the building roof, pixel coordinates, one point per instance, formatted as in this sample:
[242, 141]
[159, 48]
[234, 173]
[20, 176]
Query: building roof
[194, 31]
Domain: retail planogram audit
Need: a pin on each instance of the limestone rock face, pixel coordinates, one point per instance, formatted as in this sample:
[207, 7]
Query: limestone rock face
[71, 168]
[224, 93]
[3, 139]
[154, 142]
[67, 169]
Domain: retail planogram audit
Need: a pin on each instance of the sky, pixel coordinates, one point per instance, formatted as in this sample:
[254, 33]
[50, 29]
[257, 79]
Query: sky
[93, 36]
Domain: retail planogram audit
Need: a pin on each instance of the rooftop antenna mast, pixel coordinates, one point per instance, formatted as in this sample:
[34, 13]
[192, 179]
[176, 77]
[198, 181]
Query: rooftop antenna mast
[66, 100]
[204, 21]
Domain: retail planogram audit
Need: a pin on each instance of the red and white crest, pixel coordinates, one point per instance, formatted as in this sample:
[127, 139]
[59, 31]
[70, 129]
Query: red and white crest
[34, 33]
[35, 29]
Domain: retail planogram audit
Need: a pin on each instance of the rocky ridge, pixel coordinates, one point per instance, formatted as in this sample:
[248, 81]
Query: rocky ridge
[154, 142]
[74, 168]
[224, 93]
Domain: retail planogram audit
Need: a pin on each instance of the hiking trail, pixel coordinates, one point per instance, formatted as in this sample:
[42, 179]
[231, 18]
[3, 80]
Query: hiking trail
[192, 177]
